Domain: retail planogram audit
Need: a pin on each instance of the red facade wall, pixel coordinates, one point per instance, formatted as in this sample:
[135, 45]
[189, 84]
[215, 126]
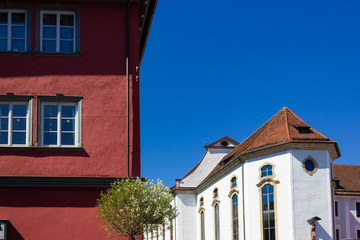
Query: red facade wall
[97, 75]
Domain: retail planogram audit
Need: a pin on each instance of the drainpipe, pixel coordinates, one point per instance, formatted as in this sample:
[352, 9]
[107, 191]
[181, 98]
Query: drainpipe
[243, 197]
[127, 88]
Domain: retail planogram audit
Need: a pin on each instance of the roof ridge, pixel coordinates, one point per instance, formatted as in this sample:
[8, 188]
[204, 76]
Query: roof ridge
[287, 123]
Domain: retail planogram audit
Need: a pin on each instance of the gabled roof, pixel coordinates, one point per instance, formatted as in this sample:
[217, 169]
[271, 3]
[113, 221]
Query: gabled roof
[284, 127]
[224, 142]
[349, 179]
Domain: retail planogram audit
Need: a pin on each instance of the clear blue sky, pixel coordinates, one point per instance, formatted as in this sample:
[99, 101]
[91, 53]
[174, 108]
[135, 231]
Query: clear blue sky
[223, 68]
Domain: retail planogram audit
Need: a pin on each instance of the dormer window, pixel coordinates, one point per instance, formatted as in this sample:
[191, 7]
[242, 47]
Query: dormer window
[304, 130]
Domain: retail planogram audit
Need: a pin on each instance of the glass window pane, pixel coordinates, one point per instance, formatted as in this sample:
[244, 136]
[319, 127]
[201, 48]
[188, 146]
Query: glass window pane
[66, 33]
[3, 31]
[50, 110]
[19, 138]
[271, 220]
[68, 111]
[66, 46]
[67, 20]
[50, 138]
[4, 110]
[18, 18]
[3, 45]
[50, 124]
[49, 46]
[67, 139]
[266, 234]
[272, 234]
[4, 124]
[49, 19]
[3, 138]
[18, 45]
[19, 123]
[3, 17]
[271, 199]
[49, 32]
[19, 110]
[67, 125]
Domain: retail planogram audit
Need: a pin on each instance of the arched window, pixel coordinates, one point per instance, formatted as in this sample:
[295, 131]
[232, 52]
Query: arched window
[233, 182]
[235, 217]
[202, 225]
[217, 222]
[216, 193]
[266, 170]
[268, 212]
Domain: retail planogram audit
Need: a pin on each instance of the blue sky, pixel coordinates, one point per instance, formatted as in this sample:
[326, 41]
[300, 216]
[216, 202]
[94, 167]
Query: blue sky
[223, 68]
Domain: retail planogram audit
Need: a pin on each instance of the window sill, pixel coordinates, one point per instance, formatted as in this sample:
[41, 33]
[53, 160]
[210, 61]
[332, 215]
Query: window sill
[8, 148]
[76, 54]
[16, 53]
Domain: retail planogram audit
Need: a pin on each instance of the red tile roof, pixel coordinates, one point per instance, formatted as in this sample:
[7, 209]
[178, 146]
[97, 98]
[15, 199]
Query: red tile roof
[349, 179]
[283, 127]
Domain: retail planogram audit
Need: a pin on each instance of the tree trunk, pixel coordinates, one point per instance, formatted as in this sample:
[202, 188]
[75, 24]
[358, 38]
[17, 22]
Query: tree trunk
[132, 237]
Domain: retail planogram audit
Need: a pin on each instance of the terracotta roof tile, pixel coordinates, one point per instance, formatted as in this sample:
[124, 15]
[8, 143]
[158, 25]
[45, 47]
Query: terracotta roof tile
[349, 179]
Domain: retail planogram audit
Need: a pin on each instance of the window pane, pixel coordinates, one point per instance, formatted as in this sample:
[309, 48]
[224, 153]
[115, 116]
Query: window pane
[68, 111]
[3, 31]
[49, 19]
[3, 17]
[3, 45]
[66, 46]
[49, 32]
[4, 124]
[265, 220]
[67, 20]
[19, 123]
[67, 139]
[50, 111]
[49, 46]
[3, 138]
[50, 124]
[66, 33]
[266, 234]
[271, 219]
[19, 138]
[18, 45]
[4, 110]
[19, 110]
[18, 18]
[50, 138]
[272, 234]
[68, 125]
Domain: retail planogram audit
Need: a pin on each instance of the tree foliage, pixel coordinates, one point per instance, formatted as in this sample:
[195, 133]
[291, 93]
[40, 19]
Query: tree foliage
[132, 207]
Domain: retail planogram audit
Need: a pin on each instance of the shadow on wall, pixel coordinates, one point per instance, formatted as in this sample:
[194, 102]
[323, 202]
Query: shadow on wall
[12, 233]
[321, 233]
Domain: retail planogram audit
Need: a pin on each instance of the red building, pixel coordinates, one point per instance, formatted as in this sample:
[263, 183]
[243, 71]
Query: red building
[69, 111]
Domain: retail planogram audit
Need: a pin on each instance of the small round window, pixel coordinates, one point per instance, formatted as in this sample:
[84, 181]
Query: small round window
[310, 165]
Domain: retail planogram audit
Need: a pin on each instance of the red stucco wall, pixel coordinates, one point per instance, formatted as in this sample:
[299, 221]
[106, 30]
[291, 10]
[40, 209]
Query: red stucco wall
[97, 75]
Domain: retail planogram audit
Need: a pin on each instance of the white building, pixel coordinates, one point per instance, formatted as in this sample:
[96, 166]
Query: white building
[265, 188]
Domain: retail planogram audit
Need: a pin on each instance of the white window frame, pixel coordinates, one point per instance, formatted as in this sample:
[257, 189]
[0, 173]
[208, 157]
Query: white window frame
[10, 130]
[58, 13]
[58, 117]
[9, 25]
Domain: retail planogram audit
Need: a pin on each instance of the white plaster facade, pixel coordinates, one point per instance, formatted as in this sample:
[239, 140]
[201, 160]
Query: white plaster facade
[347, 222]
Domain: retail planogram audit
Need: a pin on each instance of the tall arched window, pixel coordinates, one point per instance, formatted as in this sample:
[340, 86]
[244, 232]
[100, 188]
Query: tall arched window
[235, 217]
[202, 225]
[268, 212]
[217, 222]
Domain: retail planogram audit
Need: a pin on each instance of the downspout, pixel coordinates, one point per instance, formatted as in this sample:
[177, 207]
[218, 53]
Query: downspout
[127, 88]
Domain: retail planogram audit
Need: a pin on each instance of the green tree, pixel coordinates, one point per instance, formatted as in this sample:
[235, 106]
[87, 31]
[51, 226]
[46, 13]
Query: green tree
[132, 207]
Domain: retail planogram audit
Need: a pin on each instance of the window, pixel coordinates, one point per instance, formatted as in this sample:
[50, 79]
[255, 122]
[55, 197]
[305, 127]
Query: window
[336, 209]
[358, 233]
[337, 234]
[217, 223]
[57, 31]
[201, 202]
[60, 124]
[235, 217]
[309, 165]
[13, 30]
[268, 212]
[233, 182]
[266, 171]
[14, 124]
[202, 225]
[358, 209]
[216, 193]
